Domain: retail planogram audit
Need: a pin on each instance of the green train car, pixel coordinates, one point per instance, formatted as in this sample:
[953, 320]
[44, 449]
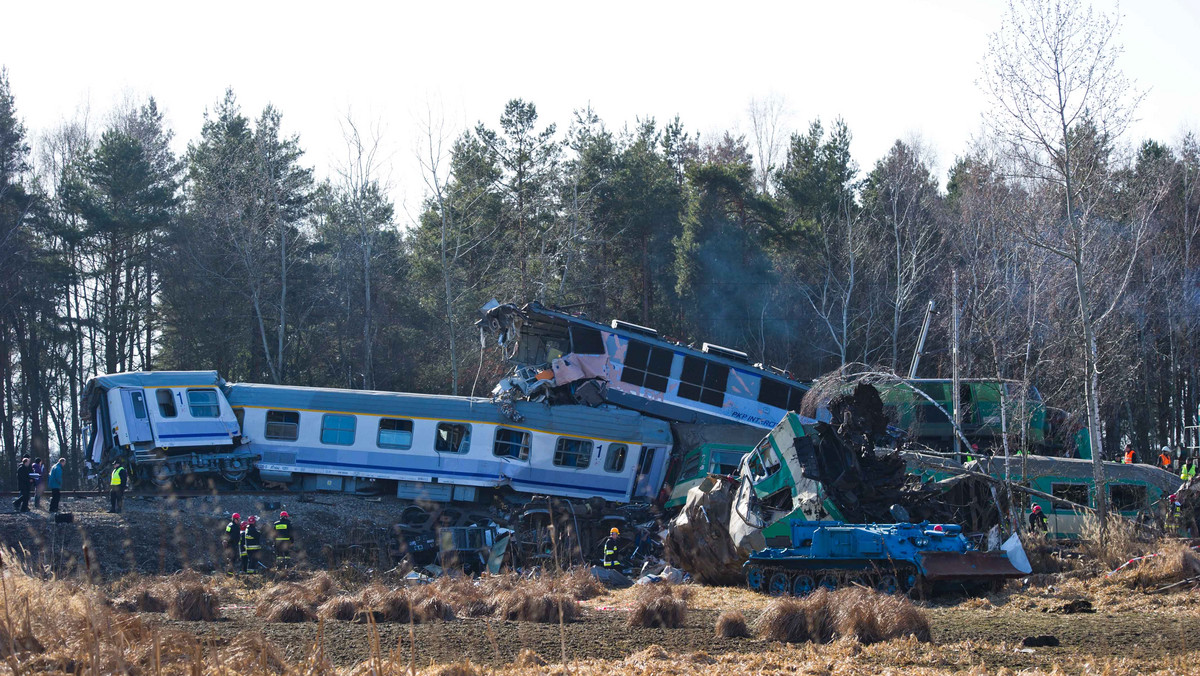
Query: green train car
[1134, 491]
[981, 409]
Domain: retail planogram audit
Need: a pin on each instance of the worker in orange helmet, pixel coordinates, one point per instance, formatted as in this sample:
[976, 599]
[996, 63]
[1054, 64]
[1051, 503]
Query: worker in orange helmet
[610, 549]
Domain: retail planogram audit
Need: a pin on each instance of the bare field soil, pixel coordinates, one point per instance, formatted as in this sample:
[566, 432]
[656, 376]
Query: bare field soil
[964, 635]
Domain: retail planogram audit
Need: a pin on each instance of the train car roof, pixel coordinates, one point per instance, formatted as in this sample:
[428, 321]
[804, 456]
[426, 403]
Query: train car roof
[607, 422]
[1075, 468]
[97, 385]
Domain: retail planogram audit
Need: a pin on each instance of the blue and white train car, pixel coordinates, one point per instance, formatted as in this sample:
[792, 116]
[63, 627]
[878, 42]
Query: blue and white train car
[165, 424]
[450, 448]
[638, 368]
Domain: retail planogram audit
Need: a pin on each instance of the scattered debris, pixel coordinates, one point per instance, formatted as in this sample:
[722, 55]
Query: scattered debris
[1041, 641]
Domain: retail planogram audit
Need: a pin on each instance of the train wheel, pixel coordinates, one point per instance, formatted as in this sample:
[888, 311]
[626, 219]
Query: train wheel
[803, 585]
[779, 585]
[755, 578]
[829, 581]
[888, 584]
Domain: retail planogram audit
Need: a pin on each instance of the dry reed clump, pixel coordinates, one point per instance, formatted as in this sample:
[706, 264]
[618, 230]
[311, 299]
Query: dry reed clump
[340, 608]
[536, 604]
[659, 605]
[528, 659]
[732, 624]
[461, 669]
[1175, 562]
[193, 601]
[141, 599]
[860, 614]
[579, 583]
[1122, 541]
[785, 621]
[287, 610]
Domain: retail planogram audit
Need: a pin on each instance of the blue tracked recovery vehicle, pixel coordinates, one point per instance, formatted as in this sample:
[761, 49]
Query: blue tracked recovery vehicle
[891, 558]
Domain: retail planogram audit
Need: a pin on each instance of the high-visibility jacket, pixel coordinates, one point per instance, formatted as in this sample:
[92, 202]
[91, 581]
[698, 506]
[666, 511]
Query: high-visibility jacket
[1129, 457]
[283, 530]
[233, 533]
[250, 539]
[1188, 472]
[118, 477]
[610, 552]
[1164, 460]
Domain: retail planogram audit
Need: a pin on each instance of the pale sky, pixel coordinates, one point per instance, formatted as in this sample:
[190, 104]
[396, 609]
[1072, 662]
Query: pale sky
[891, 68]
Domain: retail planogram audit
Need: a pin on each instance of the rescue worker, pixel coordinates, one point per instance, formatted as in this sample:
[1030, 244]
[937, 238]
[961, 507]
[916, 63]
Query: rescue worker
[1175, 513]
[24, 485]
[251, 544]
[1164, 458]
[283, 540]
[116, 488]
[610, 549]
[233, 540]
[1188, 472]
[1129, 454]
[1037, 520]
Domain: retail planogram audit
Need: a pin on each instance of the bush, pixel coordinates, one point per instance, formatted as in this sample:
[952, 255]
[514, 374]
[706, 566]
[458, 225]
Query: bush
[860, 614]
[193, 601]
[338, 608]
[785, 620]
[537, 604]
[288, 610]
[732, 624]
[658, 605]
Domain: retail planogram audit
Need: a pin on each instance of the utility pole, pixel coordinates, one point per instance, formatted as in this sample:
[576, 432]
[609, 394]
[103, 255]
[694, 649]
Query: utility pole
[954, 363]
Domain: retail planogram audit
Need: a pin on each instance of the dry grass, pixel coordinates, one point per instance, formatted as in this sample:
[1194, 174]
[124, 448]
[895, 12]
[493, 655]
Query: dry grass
[859, 614]
[537, 604]
[1175, 562]
[340, 608]
[658, 605]
[287, 610]
[732, 624]
[193, 601]
[1123, 541]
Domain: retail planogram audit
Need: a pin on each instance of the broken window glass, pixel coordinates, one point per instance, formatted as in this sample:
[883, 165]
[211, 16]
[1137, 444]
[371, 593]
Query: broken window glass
[1128, 498]
[614, 460]
[511, 444]
[646, 366]
[166, 402]
[1076, 493]
[779, 395]
[573, 452]
[452, 438]
[586, 340]
[703, 381]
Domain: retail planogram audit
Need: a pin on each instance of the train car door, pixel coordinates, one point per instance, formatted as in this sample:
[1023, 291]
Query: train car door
[651, 466]
[137, 417]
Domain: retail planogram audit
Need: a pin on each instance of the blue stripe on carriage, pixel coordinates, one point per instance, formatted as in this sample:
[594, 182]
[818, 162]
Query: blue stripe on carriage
[194, 436]
[316, 463]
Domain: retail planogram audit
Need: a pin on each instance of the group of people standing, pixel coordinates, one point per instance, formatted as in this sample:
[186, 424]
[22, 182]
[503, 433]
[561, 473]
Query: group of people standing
[244, 541]
[33, 480]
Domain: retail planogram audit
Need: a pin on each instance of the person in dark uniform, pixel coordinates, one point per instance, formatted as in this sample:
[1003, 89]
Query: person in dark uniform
[283, 540]
[233, 540]
[24, 485]
[610, 549]
[251, 544]
[1037, 520]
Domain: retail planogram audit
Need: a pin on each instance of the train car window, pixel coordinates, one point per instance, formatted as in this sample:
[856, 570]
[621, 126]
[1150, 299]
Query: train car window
[203, 404]
[1128, 497]
[586, 340]
[772, 393]
[139, 405]
[166, 402]
[703, 381]
[614, 460]
[394, 433]
[691, 465]
[725, 463]
[511, 444]
[646, 366]
[573, 453]
[1076, 493]
[338, 429]
[452, 438]
[240, 414]
[283, 425]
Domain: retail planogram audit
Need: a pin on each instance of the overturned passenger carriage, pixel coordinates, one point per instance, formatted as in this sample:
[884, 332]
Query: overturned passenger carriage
[169, 425]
